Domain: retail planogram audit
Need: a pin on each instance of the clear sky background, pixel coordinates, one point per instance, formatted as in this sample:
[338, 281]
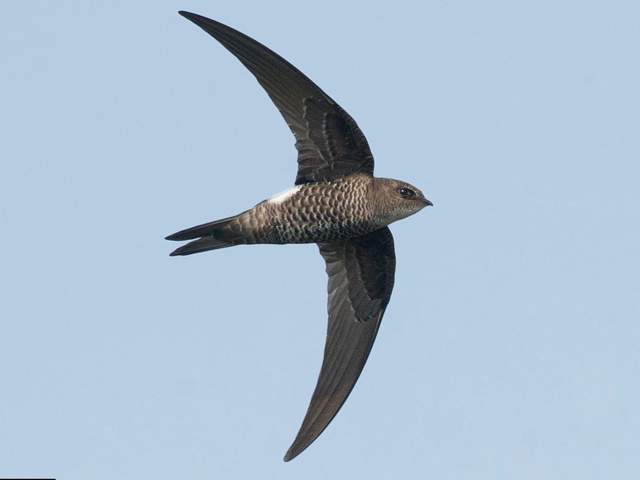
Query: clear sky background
[511, 346]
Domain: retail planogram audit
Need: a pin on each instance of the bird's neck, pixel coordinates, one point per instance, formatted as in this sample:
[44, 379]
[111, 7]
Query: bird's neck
[381, 202]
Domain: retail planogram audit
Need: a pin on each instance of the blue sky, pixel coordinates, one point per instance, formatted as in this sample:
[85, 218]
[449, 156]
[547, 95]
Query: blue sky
[510, 346]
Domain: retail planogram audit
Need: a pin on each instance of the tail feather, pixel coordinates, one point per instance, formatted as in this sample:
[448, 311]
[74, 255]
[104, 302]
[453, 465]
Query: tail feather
[201, 245]
[201, 230]
[211, 236]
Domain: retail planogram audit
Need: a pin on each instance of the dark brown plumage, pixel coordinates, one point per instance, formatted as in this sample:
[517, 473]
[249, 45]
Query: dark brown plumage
[336, 203]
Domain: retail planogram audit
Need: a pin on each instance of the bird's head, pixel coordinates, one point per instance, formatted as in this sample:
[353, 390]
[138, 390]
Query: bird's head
[396, 200]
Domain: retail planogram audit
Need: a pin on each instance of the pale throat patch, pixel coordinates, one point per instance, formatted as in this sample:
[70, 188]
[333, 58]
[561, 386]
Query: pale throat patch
[282, 196]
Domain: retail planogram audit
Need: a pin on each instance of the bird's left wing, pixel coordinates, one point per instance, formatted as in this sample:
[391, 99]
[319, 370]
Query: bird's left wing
[361, 274]
[329, 142]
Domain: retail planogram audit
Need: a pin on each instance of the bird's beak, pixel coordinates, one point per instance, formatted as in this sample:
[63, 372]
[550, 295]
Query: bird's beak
[427, 203]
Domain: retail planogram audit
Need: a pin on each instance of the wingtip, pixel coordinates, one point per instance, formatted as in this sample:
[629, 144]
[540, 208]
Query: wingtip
[203, 22]
[296, 448]
[289, 456]
[194, 17]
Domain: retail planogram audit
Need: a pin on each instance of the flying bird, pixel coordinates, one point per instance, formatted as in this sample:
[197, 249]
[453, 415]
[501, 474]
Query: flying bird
[337, 203]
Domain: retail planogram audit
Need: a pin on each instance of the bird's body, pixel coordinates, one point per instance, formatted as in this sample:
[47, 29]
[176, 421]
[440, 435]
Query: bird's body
[321, 211]
[337, 203]
[315, 212]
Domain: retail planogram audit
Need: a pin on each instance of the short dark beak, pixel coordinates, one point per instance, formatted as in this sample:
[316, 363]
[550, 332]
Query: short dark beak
[427, 203]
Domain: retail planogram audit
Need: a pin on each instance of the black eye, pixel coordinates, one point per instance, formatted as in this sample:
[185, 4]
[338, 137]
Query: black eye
[406, 192]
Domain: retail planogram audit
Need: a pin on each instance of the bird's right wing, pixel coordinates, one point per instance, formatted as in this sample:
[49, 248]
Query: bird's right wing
[361, 274]
[329, 143]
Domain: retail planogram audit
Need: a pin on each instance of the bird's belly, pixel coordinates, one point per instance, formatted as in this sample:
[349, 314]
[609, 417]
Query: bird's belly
[310, 231]
[318, 212]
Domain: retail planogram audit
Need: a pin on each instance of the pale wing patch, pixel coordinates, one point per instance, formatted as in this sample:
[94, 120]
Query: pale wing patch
[282, 196]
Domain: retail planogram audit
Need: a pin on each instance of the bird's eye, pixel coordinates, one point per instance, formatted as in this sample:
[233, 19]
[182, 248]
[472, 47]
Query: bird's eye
[406, 192]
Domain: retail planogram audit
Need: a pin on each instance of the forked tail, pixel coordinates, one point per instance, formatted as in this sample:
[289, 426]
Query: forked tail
[210, 236]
